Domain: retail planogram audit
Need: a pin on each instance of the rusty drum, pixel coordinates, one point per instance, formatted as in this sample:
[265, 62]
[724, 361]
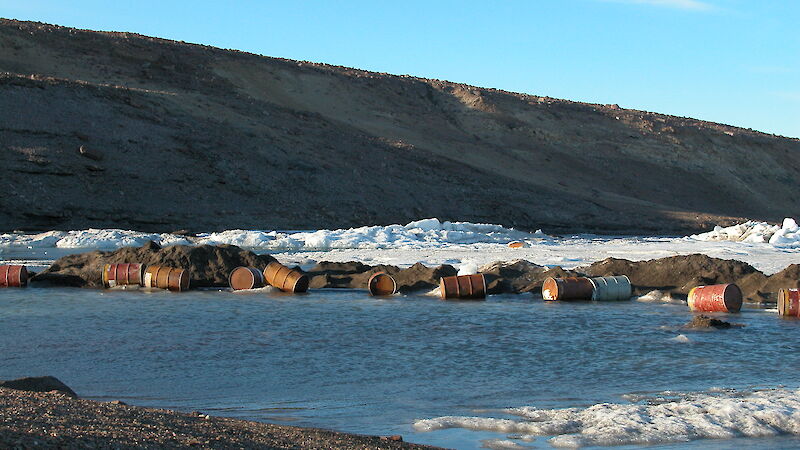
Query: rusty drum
[611, 288]
[246, 278]
[13, 275]
[716, 298]
[284, 278]
[162, 277]
[381, 283]
[789, 302]
[463, 287]
[569, 288]
[127, 274]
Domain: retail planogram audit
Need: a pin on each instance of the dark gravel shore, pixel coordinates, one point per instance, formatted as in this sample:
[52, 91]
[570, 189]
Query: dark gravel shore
[55, 420]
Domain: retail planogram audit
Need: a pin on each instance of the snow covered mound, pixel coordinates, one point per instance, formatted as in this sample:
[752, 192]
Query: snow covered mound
[711, 415]
[104, 239]
[755, 232]
[427, 233]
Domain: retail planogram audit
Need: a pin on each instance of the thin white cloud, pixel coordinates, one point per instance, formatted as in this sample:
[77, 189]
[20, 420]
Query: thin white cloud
[694, 5]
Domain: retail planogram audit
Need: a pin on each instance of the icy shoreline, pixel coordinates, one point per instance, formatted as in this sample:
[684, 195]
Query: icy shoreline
[769, 248]
[659, 419]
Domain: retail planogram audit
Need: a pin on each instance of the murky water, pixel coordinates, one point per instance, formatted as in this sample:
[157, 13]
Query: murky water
[340, 359]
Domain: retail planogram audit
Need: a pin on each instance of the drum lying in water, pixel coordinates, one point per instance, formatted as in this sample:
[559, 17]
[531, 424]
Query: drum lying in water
[13, 275]
[611, 288]
[166, 278]
[127, 274]
[246, 278]
[569, 288]
[716, 298]
[284, 278]
[789, 302]
[381, 283]
[464, 287]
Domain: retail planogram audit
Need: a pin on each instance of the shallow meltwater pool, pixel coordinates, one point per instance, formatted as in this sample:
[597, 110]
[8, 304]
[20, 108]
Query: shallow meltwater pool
[503, 373]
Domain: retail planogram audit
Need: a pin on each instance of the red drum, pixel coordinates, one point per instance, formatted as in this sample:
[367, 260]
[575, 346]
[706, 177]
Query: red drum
[716, 298]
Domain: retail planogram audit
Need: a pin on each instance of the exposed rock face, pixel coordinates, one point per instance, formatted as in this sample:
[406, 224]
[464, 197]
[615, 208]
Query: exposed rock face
[152, 114]
[38, 384]
[208, 265]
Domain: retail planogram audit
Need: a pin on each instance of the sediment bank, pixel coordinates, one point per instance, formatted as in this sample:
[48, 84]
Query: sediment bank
[58, 420]
[210, 266]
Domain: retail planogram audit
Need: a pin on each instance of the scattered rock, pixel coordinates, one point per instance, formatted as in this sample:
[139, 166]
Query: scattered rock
[38, 384]
[355, 275]
[703, 321]
[518, 276]
[89, 154]
[394, 437]
[118, 402]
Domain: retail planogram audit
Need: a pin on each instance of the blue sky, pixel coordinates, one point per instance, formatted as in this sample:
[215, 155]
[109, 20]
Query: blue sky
[729, 61]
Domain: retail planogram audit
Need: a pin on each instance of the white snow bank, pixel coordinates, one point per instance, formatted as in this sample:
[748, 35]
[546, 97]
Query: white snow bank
[468, 267]
[103, 239]
[788, 234]
[711, 415]
[427, 233]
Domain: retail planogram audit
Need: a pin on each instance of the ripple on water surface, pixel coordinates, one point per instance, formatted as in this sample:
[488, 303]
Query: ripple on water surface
[343, 360]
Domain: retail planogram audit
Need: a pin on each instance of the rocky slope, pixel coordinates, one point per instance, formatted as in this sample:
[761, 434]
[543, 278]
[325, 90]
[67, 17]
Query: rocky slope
[121, 130]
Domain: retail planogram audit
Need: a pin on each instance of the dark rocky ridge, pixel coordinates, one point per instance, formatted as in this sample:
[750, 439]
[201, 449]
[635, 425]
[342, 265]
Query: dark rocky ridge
[121, 130]
[207, 265]
[38, 384]
[210, 266]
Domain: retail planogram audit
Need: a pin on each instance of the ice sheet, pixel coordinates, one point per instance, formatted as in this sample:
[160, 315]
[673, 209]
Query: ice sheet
[769, 248]
[715, 414]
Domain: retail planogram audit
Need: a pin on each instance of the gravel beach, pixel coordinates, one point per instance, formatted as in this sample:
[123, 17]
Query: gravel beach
[56, 420]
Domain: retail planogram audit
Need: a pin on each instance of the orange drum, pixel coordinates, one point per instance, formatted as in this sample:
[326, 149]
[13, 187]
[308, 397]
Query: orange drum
[381, 283]
[161, 277]
[789, 302]
[13, 275]
[569, 288]
[122, 274]
[716, 298]
[246, 278]
[284, 278]
[464, 287]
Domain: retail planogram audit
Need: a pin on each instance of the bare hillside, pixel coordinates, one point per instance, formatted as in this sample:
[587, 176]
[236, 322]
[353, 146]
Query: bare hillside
[176, 135]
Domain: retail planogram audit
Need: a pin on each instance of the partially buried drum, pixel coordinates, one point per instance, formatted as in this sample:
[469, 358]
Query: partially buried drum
[125, 274]
[13, 275]
[463, 287]
[789, 302]
[162, 277]
[381, 284]
[611, 288]
[568, 288]
[246, 278]
[715, 298]
[284, 278]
